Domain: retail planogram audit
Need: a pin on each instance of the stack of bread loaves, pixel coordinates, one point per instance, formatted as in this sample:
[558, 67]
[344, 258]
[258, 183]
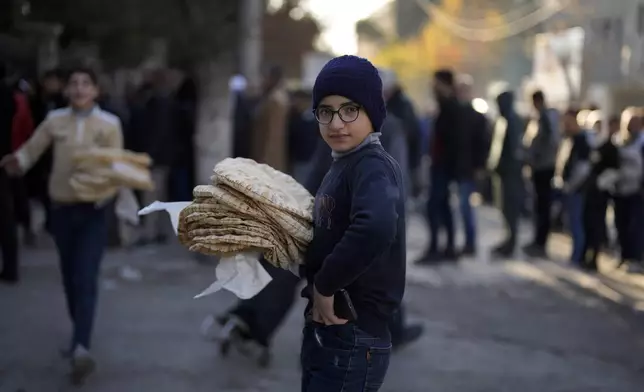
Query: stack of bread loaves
[249, 207]
[102, 171]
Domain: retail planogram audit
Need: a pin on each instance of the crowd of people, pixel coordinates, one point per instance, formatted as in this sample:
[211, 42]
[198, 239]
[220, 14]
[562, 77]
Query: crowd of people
[549, 158]
[355, 141]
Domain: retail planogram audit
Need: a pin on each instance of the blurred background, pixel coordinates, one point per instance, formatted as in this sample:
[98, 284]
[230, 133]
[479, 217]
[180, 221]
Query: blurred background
[190, 80]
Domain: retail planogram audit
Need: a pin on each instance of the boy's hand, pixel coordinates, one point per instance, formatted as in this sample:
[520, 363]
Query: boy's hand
[10, 164]
[323, 309]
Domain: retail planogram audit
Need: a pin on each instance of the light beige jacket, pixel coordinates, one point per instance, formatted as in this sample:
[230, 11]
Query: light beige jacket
[70, 133]
[269, 139]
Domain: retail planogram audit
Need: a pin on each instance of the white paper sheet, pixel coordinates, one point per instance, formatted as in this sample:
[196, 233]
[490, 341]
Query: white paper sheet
[242, 274]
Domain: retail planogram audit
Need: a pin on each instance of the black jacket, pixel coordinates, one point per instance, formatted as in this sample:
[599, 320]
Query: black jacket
[478, 132]
[510, 161]
[400, 106]
[456, 137]
[7, 111]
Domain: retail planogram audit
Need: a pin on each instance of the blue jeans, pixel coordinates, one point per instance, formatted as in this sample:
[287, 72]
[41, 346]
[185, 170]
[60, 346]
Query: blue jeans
[575, 210]
[342, 358]
[80, 233]
[465, 190]
[439, 211]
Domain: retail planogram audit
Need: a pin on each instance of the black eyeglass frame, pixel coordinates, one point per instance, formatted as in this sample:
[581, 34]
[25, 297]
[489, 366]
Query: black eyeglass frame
[334, 112]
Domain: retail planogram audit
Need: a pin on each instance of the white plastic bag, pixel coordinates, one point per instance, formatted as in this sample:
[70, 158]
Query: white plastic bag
[127, 207]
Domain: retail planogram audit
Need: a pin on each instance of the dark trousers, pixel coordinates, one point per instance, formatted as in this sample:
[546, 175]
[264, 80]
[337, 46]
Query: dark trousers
[180, 184]
[8, 229]
[439, 210]
[342, 358]
[266, 311]
[80, 233]
[465, 190]
[594, 224]
[628, 221]
[542, 182]
[575, 211]
[508, 190]
[21, 203]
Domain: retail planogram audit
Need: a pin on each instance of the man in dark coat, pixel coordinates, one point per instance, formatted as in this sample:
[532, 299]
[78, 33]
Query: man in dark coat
[8, 224]
[472, 155]
[446, 142]
[506, 162]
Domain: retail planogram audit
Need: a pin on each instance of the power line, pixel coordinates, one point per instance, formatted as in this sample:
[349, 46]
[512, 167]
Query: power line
[482, 22]
[494, 33]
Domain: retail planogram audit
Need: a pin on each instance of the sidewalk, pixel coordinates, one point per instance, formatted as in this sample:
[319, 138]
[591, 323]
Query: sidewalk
[491, 327]
[611, 284]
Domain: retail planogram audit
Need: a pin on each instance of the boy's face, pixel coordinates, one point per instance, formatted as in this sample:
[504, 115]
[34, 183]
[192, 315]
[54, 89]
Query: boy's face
[346, 133]
[82, 90]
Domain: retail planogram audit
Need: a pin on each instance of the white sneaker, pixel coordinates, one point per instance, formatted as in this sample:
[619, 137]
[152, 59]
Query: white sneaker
[82, 365]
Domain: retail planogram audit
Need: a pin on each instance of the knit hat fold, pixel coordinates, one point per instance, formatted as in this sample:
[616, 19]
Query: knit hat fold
[354, 78]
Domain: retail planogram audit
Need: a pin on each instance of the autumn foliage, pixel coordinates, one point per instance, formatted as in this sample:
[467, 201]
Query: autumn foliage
[437, 47]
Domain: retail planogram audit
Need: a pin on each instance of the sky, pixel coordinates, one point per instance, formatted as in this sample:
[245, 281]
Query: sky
[338, 19]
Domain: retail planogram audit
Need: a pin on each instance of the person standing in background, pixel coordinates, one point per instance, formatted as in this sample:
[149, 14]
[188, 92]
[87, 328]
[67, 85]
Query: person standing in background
[8, 227]
[473, 155]
[628, 202]
[182, 173]
[268, 139]
[445, 142]
[505, 162]
[399, 105]
[605, 161]
[575, 172]
[49, 96]
[541, 158]
[22, 129]
[243, 108]
[153, 131]
[302, 136]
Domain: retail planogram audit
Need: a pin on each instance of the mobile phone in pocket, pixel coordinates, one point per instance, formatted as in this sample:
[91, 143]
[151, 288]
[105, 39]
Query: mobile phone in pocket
[343, 307]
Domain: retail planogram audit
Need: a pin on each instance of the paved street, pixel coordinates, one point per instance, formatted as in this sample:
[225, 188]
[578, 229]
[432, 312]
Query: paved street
[492, 326]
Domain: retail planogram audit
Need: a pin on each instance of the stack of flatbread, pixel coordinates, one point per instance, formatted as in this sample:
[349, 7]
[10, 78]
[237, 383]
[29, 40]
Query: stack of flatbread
[102, 171]
[249, 207]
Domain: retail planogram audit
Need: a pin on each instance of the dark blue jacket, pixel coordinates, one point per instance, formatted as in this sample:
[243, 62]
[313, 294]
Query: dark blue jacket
[359, 241]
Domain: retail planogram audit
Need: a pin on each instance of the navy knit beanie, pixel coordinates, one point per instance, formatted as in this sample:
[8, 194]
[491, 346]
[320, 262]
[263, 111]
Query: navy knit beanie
[354, 78]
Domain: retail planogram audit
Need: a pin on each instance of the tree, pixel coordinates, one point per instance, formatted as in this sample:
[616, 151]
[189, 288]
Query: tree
[432, 48]
[436, 47]
[288, 33]
[200, 35]
[123, 29]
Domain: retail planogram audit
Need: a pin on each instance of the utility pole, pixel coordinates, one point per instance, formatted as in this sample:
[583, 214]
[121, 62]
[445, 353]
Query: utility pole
[251, 48]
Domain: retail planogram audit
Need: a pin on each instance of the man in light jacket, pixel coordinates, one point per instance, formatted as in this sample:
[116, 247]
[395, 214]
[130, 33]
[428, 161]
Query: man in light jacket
[268, 139]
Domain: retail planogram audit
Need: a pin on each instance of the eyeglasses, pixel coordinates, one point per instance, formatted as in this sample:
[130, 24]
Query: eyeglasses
[347, 113]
